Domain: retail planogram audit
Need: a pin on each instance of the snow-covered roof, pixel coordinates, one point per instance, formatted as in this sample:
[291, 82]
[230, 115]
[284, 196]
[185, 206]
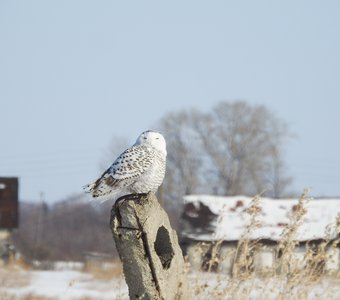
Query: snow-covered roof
[231, 218]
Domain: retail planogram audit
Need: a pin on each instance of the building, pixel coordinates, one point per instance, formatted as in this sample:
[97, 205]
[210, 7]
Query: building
[224, 221]
[8, 214]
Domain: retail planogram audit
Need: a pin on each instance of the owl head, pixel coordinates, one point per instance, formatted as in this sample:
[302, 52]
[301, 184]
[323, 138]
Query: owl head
[152, 138]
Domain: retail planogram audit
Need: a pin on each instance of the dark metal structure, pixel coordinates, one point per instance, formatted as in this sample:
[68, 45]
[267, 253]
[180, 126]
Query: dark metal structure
[8, 202]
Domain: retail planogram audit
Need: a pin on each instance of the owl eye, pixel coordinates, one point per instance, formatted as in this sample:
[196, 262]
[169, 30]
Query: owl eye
[144, 137]
[157, 138]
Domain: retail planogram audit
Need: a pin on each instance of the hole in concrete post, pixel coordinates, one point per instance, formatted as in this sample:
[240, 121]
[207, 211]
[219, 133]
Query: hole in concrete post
[163, 247]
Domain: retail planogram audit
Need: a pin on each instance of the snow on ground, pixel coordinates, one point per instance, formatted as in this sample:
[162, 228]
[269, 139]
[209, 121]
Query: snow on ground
[74, 284]
[66, 284]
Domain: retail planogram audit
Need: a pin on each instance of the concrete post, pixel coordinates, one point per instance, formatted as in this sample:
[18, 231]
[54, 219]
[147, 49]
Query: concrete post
[148, 248]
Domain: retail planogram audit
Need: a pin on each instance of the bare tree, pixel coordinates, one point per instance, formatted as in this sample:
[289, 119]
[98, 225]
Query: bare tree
[244, 142]
[234, 149]
[47, 232]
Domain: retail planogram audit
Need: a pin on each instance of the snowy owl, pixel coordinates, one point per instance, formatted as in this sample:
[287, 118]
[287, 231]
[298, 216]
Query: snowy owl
[139, 169]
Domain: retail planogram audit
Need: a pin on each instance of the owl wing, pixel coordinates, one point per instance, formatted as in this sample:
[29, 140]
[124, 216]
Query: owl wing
[124, 171]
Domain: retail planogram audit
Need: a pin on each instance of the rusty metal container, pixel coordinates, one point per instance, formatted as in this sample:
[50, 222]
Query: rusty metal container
[8, 202]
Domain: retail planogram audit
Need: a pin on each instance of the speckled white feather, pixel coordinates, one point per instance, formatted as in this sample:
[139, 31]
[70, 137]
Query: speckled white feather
[139, 169]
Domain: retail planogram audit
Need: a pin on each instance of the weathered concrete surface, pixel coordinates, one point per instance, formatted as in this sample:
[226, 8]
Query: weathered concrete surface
[148, 248]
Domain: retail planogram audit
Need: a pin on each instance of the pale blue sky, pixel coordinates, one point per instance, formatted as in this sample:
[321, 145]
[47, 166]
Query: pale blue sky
[73, 74]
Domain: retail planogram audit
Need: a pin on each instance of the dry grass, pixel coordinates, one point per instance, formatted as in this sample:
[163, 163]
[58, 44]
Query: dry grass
[106, 271]
[244, 254]
[13, 277]
[35, 297]
[289, 277]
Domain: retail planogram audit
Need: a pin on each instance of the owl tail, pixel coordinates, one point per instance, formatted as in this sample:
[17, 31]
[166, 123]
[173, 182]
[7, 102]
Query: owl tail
[101, 187]
[89, 188]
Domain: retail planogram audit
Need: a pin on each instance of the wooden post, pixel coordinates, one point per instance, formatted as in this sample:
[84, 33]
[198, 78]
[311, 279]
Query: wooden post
[148, 248]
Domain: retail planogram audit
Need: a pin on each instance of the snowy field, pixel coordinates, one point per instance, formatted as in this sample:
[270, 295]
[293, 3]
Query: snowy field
[64, 283]
[61, 283]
